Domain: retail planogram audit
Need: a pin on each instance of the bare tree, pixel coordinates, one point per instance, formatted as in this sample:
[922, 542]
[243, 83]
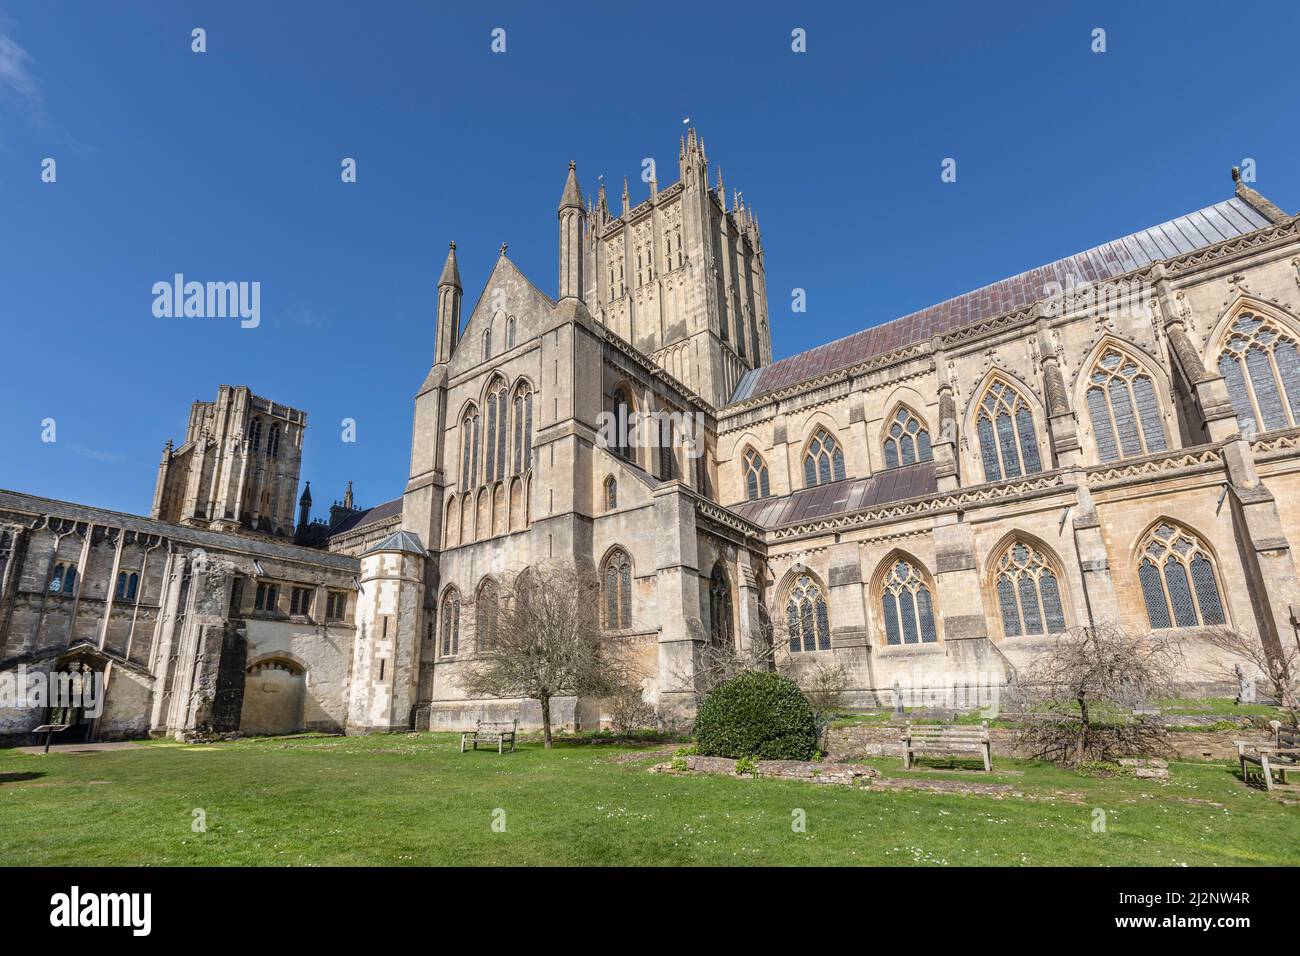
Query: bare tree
[714, 662]
[823, 684]
[547, 642]
[1082, 700]
[1280, 669]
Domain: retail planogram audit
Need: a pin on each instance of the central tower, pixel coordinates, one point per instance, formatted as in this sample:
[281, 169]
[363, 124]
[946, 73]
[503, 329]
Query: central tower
[680, 276]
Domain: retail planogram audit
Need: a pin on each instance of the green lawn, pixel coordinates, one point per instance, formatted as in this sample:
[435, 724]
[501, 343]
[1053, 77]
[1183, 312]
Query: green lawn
[413, 799]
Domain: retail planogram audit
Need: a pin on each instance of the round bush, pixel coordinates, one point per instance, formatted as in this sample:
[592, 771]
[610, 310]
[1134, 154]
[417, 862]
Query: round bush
[756, 714]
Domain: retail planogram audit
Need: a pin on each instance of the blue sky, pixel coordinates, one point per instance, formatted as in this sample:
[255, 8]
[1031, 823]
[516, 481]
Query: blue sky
[225, 166]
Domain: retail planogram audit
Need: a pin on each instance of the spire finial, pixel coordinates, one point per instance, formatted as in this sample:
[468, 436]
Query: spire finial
[450, 271]
[572, 195]
[503, 248]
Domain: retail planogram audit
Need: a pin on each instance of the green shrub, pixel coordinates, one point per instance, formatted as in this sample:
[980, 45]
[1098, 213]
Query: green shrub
[746, 765]
[757, 714]
[690, 750]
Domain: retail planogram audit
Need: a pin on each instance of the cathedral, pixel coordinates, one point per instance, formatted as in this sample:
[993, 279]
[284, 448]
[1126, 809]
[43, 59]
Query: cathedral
[1113, 437]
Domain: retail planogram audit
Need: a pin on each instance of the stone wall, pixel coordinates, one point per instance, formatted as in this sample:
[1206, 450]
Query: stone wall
[853, 743]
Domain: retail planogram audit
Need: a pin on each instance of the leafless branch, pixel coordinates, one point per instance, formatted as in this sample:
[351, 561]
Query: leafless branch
[547, 642]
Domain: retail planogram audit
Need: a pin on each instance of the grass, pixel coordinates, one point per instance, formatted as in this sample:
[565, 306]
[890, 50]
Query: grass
[413, 799]
[1218, 707]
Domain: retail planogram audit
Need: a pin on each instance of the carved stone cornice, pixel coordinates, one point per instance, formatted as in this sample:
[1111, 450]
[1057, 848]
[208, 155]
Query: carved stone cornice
[884, 360]
[1159, 465]
[960, 500]
[1236, 248]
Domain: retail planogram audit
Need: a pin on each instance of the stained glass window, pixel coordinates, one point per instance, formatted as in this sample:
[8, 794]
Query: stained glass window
[469, 449]
[616, 586]
[807, 616]
[486, 609]
[823, 462]
[1179, 586]
[622, 423]
[451, 622]
[1008, 442]
[906, 440]
[756, 483]
[523, 429]
[1261, 368]
[907, 606]
[667, 438]
[1029, 595]
[494, 449]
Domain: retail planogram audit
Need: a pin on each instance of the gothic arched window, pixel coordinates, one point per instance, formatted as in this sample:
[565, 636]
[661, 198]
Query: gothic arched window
[494, 447]
[523, 429]
[468, 448]
[906, 606]
[510, 332]
[823, 461]
[1261, 366]
[255, 434]
[611, 493]
[906, 440]
[486, 609]
[1123, 408]
[1029, 593]
[756, 483]
[616, 591]
[1008, 443]
[1179, 586]
[667, 455]
[807, 617]
[127, 585]
[273, 442]
[621, 414]
[720, 616]
[64, 580]
[451, 622]
[487, 344]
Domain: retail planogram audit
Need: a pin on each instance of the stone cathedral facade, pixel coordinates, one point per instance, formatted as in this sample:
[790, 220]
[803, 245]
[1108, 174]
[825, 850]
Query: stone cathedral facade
[1113, 437]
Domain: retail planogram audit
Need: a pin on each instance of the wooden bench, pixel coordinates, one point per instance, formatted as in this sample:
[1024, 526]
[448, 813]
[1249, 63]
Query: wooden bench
[947, 739]
[490, 731]
[1282, 754]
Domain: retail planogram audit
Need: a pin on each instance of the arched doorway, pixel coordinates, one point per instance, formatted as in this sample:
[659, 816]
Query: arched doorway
[76, 699]
[275, 692]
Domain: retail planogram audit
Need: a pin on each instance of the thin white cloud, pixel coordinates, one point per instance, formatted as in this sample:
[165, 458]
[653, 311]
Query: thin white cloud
[17, 81]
